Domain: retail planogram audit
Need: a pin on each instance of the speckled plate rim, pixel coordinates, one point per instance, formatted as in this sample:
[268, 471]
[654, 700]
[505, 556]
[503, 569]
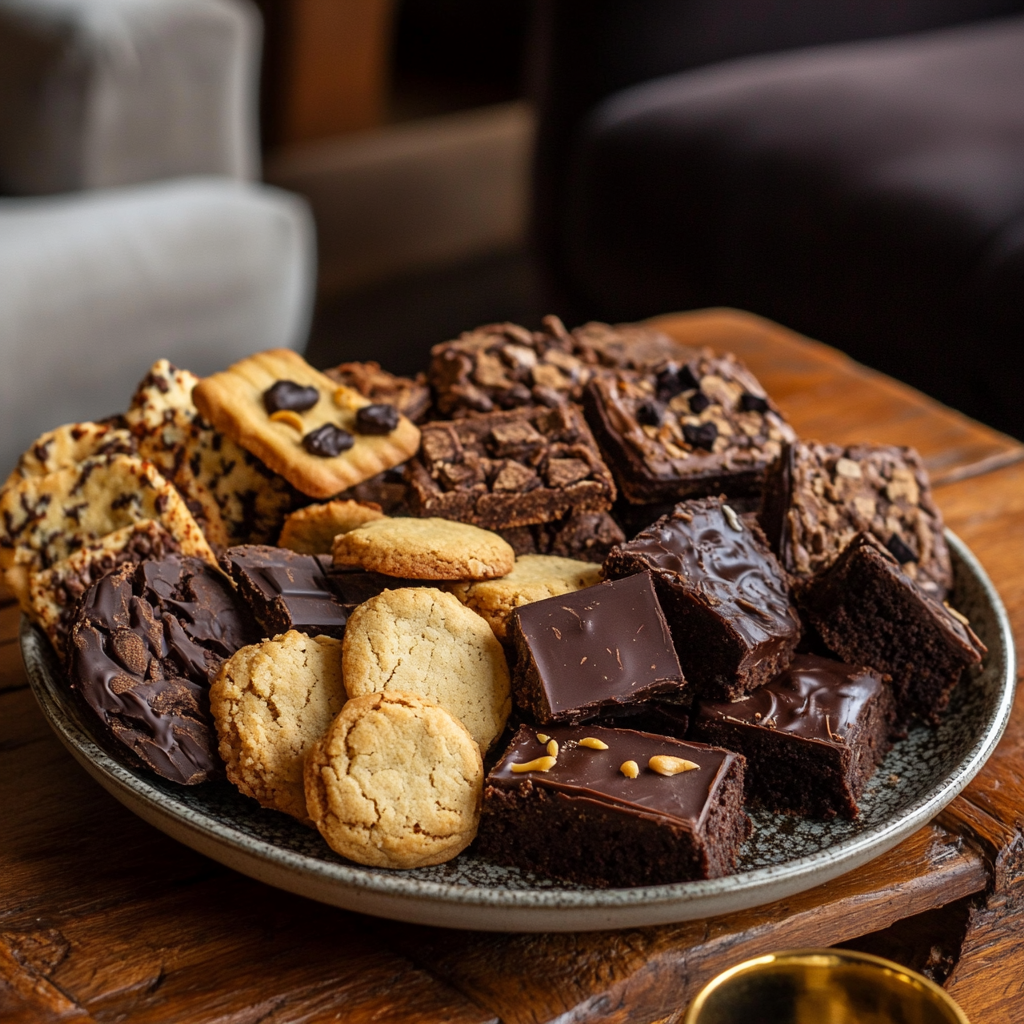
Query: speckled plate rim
[401, 897]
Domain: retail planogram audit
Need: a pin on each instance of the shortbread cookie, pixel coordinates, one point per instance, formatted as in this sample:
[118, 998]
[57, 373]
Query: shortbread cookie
[70, 444]
[425, 549]
[320, 436]
[44, 519]
[395, 782]
[271, 702]
[311, 530]
[424, 641]
[55, 592]
[534, 578]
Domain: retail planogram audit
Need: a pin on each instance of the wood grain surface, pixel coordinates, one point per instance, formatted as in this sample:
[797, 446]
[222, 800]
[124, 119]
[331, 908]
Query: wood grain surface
[103, 918]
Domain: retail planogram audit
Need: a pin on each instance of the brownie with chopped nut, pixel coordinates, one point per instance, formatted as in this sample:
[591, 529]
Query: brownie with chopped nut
[613, 807]
[626, 346]
[724, 593]
[812, 736]
[507, 469]
[588, 536]
[869, 612]
[819, 496]
[409, 395]
[686, 429]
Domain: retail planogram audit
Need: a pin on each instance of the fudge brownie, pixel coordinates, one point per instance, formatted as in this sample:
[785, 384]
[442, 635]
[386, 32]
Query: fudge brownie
[599, 648]
[627, 346]
[587, 536]
[812, 736]
[871, 613]
[724, 593]
[686, 429]
[818, 496]
[387, 489]
[410, 396]
[145, 643]
[586, 821]
[285, 590]
[507, 469]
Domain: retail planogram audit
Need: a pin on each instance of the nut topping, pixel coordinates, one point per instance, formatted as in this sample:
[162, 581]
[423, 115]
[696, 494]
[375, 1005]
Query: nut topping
[630, 769]
[538, 764]
[593, 743]
[293, 419]
[665, 764]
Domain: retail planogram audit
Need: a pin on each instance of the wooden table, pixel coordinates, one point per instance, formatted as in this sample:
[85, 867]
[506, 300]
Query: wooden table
[102, 918]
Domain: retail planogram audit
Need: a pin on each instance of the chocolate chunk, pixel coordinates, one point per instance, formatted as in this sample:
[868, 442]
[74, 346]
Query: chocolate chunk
[753, 403]
[286, 394]
[701, 436]
[900, 551]
[585, 821]
[597, 648]
[376, 419]
[698, 403]
[650, 413]
[673, 379]
[328, 441]
[812, 736]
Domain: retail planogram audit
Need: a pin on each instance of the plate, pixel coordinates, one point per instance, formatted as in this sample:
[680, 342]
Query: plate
[783, 856]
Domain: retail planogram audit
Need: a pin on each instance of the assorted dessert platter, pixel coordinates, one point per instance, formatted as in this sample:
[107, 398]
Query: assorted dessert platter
[580, 601]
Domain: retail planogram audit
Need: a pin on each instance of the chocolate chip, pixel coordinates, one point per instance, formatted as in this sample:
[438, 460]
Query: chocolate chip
[328, 441]
[649, 413]
[900, 551]
[376, 419]
[753, 403]
[286, 394]
[673, 379]
[699, 402]
[703, 436]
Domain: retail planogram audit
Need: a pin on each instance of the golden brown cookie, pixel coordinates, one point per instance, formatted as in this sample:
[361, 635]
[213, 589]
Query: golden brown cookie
[271, 702]
[311, 433]
[395, 782]
[424, 641]
[534, 578]
[311, 530]
[425, 549]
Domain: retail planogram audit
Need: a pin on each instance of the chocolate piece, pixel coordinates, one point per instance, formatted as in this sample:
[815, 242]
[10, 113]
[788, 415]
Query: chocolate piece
[352, 586]
[411, 397]
[818, 496]
[588, 536]
[376, 419]
[710, 439]
[145, 643]
[509, 469]
[871, 613]
[328, 441]
[583, 820]
[812, 736]
[724, 594]
[285, 590]
[387, 489]
[286, 394]
[598, 648]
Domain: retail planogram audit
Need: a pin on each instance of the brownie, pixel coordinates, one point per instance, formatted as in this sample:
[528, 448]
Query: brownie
[585, 821]
[686, 429]
[724, 593]
[285, 590]
[812, 736]
[507, 469]
[627, 346]
[145, 644]
[410, 396]
[599, 648]
[587, 536]
[387, 489]
[819, 496]
[871, 613]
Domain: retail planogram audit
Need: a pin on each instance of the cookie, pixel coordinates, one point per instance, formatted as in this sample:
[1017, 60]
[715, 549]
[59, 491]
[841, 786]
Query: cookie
[424, 641]
[271, 702]
[395, 783]
[320, 436]
[425, 549]
[533, 578]
[70, 444]
[44, 519]
[311, 530]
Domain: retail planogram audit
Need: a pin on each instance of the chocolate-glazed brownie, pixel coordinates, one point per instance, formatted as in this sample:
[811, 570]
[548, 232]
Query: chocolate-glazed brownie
[686, 429]
[819, 496]
[508, 469]
[812, 736]
[724, 594]
[599, 649]
[145, 643]
[870, 612]
[585, 821]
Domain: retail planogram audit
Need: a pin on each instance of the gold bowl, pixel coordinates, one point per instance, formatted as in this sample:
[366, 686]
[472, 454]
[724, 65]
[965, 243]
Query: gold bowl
[822, 986]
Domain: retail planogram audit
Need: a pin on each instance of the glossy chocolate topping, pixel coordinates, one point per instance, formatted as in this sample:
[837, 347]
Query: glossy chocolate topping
[286, 394]
[595, 775]
[599, 647]
[815, 698]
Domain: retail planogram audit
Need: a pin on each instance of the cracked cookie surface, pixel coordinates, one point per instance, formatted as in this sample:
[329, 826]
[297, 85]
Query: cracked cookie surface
[396, 782]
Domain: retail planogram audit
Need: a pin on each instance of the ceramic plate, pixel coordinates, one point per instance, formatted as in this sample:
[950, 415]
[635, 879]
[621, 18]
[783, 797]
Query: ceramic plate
[784, 854]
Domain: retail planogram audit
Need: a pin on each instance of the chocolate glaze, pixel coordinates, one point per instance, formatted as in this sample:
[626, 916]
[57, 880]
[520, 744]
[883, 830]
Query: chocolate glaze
[595, 775]
[598, 648]
[286, 394]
